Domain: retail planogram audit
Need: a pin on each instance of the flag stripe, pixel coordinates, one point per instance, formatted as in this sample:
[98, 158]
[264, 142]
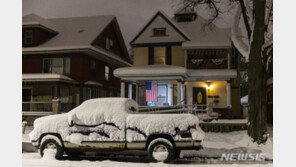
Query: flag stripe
[151, 91]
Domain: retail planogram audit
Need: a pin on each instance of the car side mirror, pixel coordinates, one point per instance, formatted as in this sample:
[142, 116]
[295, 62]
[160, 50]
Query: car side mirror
[71, 118]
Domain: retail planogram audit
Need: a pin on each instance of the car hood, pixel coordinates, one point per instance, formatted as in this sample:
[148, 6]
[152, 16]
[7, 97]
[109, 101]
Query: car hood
[50, 124]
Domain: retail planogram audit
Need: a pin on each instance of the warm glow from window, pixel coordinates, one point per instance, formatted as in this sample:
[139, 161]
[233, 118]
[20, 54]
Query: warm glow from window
[159, 55]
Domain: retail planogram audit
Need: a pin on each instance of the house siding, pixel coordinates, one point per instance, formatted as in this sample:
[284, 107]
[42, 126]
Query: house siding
[39, 36]
[140, 56]
[178, 56]
[79, 70]
[109, 32]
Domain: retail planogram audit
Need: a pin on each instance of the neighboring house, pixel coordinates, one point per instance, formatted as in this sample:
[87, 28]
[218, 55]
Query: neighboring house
[192, 63]
[68, 60]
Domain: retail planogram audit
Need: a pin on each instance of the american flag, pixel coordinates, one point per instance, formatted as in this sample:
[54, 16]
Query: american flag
[151, 91]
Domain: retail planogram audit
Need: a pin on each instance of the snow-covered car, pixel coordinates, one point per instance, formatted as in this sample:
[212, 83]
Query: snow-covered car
[113, 124]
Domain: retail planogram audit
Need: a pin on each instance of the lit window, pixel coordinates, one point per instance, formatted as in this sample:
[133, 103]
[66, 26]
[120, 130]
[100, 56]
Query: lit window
[159, 32]
[159, 55]
[28, 36]
[106, 73]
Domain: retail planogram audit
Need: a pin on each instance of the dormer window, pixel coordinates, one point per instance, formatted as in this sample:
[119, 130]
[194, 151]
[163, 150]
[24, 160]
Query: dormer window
[28, 36]
[109, 44]
[159, 32]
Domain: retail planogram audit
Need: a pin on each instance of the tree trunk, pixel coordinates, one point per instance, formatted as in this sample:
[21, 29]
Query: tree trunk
[257, 78]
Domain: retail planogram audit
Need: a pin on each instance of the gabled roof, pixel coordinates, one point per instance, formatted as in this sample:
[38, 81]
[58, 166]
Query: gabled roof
[196, 33]
[33, 20]
[168, 20]
[203, 36]
[76, 33]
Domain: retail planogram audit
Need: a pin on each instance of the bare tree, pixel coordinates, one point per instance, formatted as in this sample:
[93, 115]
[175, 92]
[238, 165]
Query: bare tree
[257, 17]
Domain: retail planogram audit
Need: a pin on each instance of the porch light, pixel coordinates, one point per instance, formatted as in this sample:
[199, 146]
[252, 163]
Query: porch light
[208, 85]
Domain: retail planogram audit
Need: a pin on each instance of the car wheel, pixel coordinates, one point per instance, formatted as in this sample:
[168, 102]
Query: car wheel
[177, 153]
[161, 150]
[52, 144]
[73, 155]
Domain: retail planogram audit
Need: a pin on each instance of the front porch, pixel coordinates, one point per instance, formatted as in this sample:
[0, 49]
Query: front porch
[179, 86]
[47, 93]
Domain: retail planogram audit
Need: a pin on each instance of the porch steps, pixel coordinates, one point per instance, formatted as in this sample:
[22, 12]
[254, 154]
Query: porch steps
[222, 127]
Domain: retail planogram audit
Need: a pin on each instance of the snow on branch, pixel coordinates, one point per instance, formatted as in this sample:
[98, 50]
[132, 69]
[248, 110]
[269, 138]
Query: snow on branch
[236, 36]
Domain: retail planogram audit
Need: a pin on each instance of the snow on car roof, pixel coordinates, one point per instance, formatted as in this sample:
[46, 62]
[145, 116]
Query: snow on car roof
[111, 110]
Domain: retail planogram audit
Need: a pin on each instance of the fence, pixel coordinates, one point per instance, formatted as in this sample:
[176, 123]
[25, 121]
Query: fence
[193, 109]
[37, 106]
[44, 107]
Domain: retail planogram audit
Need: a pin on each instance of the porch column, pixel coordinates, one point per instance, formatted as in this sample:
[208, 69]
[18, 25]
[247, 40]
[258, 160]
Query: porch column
[171, 94]
[122, 90]
[56, 91]
[179, 93]
[56, 102]
[182, 93]
[130, 91]
[228, 90]
[137, 92]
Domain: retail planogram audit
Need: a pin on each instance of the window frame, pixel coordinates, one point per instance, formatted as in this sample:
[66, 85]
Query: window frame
[159, 30]
[66, 70]
[107, 73]
[26, 36]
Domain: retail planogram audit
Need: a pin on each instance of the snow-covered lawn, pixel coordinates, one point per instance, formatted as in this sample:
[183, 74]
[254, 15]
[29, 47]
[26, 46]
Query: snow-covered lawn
[214, 145]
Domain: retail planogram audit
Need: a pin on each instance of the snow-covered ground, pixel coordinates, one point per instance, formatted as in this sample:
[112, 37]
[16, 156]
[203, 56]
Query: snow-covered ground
[214, 145]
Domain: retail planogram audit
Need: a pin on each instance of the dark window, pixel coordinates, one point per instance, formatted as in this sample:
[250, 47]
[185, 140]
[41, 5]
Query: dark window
[159, 32]
[46, 66]
[93, 67]
[109, 44]
[57, 65]
[26, 95]
[107, 73]
[28, 36]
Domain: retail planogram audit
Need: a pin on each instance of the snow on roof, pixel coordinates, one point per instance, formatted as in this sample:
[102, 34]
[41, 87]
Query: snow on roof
[244, 100]
[175, 23]
[202, 36]
[211, 74]
[185, 10]
[45, 77]
[94, 83]
[74, 33]
[162, 71]
[198, 33]
[33, 19]
[151, 70]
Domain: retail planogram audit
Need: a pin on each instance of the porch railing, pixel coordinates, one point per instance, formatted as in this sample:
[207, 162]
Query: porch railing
[45, 107]
[37, 106]
[193, 109]
[203, 112]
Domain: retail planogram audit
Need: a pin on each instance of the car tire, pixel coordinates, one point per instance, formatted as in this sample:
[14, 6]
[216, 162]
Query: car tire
[53, 144]
[161, 150]
[73, 155]
[177, 153]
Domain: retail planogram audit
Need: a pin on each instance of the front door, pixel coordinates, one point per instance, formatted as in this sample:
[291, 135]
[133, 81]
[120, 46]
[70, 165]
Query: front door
[199, 95]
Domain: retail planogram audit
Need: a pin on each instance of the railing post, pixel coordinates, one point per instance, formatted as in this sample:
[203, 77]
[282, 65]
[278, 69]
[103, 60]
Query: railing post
[179, 93]
[122, 89]
[130, 91]
[228, 92]
[56, 106]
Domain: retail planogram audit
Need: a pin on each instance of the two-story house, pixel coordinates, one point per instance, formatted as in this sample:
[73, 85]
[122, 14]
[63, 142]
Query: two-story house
[191, 62]
[68, 60]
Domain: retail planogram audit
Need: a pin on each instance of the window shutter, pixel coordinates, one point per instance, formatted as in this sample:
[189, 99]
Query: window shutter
[168, 55]
[151, 56]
